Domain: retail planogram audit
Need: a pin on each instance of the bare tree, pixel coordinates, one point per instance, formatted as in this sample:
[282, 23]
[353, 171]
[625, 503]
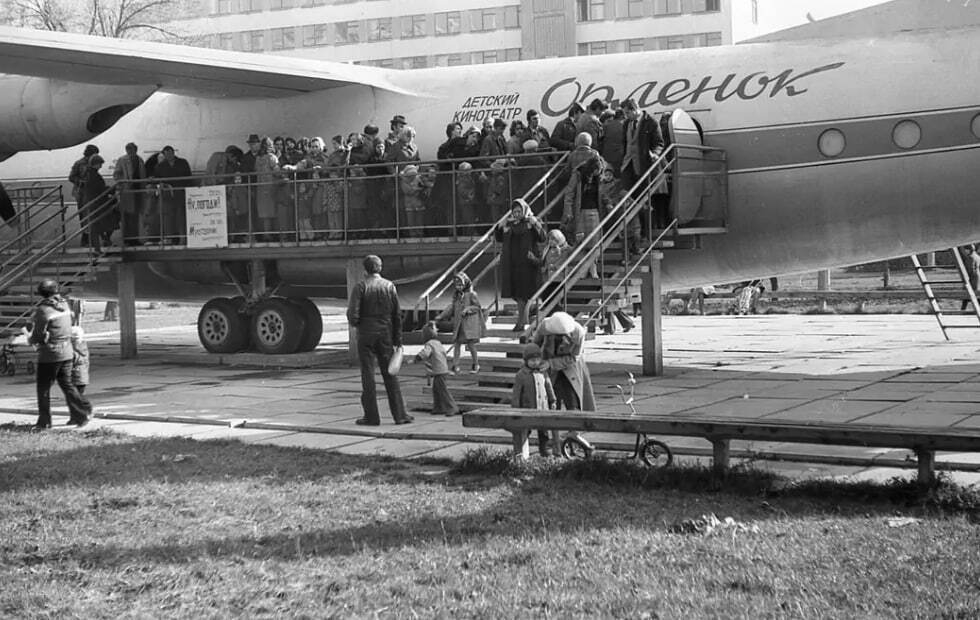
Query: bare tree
[107, 18]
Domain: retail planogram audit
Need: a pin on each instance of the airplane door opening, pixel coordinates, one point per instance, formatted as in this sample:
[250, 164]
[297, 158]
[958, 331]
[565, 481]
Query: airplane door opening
[687, 189]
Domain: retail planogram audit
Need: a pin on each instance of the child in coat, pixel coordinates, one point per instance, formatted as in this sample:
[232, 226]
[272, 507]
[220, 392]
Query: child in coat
[80, 361]
[437, 367]
[533, 390]
[466, 314]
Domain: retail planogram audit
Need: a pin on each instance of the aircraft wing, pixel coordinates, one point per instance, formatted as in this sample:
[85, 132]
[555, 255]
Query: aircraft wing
[175, 68]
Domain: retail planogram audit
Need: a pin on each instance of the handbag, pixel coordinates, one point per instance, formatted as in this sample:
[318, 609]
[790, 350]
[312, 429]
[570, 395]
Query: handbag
[395, 365]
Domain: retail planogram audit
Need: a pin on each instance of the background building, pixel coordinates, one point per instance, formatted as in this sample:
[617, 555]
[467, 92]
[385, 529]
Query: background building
[426, 33]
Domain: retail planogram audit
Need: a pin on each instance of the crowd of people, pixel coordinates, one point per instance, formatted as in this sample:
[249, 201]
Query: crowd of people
[365, 184]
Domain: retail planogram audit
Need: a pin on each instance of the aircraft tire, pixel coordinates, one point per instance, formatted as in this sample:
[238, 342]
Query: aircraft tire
[221, 328]
[277, 326]
[314, 323]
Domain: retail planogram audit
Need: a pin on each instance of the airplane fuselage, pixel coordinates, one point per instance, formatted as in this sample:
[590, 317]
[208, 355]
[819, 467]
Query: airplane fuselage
[839, 152]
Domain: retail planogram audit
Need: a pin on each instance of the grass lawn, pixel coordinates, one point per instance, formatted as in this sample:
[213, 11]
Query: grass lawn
[101, 525]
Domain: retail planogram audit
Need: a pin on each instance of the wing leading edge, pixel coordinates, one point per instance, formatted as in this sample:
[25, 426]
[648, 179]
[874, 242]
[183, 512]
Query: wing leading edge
[175, 68]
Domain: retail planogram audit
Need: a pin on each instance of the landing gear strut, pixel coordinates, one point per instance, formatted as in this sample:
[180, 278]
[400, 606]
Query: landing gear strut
[258, 318]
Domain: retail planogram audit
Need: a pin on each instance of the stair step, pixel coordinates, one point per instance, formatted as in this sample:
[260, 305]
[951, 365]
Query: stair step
[485, 375]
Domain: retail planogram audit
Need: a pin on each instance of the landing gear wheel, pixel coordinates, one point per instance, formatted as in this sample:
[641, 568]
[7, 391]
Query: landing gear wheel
[314, 323]
[277, 326]
[221, 328]
[656, 453]
[576, 448]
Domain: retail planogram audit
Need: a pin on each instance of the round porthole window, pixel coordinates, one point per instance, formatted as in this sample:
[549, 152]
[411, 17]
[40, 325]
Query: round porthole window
[907, 134]
[975, 126]
[832, 143]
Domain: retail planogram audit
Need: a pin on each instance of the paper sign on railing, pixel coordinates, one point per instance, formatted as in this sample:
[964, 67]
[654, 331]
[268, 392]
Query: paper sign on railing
[207, 217]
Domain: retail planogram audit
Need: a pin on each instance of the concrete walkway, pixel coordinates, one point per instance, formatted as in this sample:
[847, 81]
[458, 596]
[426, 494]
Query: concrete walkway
[872, 369]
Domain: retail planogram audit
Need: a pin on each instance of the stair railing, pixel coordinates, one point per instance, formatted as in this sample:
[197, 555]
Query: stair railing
[21, 262]
[598, 240]
[482, 245]
[636, 264]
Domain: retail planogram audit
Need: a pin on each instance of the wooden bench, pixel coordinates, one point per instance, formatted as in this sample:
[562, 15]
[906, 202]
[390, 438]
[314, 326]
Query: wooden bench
[924, 441]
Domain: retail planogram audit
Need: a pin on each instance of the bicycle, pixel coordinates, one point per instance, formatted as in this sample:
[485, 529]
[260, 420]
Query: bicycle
[653, 452]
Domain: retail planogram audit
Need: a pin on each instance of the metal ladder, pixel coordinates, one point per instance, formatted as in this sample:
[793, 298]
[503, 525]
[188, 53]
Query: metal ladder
[963, 281]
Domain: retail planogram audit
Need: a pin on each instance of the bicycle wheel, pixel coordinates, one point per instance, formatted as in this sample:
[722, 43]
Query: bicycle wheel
[574, 448]
[656, 453]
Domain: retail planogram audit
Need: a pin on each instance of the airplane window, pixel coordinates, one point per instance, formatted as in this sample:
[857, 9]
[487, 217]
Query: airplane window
[832, 143]
[907, 134]
[976, 126]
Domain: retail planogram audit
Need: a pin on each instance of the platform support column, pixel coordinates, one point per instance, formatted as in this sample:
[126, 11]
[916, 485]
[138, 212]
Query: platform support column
[720, 454]
[126, 292]
[927, 467]
[823, 280]
[652, 332]
[355, 273]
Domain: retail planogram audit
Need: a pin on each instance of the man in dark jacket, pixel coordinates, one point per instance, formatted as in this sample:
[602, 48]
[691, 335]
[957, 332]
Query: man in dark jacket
[52, 335]
[374, 311]
[176, 169]
[563, 137]
[643, 143]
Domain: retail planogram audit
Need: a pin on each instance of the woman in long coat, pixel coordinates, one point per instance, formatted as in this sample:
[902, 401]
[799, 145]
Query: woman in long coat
[520, 276]
[105, 221]
[267, 172]
[562, 341]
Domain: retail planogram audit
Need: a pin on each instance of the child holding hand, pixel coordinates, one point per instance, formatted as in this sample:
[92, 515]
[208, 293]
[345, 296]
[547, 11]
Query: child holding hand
[437, 367]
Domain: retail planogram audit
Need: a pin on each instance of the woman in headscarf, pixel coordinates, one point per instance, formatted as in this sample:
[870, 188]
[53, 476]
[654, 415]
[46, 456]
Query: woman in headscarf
[520, 234]
[562, 341]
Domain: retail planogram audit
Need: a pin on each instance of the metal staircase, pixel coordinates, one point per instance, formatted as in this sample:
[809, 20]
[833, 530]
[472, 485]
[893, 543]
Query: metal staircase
[618, 268]
[482, 255]
[962, 288]
[46, 229]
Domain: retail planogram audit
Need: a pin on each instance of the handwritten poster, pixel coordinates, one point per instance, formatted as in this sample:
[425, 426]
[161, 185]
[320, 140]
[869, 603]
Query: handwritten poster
[207, 217]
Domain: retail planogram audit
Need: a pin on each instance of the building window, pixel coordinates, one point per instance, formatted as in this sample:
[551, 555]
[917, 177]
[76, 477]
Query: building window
[706, 6]
[512, 17]
[674, 43]
[593, 48]
[227, 7]
[713, 39]
[347, 33]
[254, 41]
[226, 41]
[484, 20]
[457, 60]
[413, 26]
[636, 45]
[448, 23]
[512, 54]
[592, 10]
[278, 5]
[379, 29]
[634, 8]
[384, 63]
[415, 62]
[485, 57]
[249, 6]
[315, 35]
[666, 7]
[283, 38]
